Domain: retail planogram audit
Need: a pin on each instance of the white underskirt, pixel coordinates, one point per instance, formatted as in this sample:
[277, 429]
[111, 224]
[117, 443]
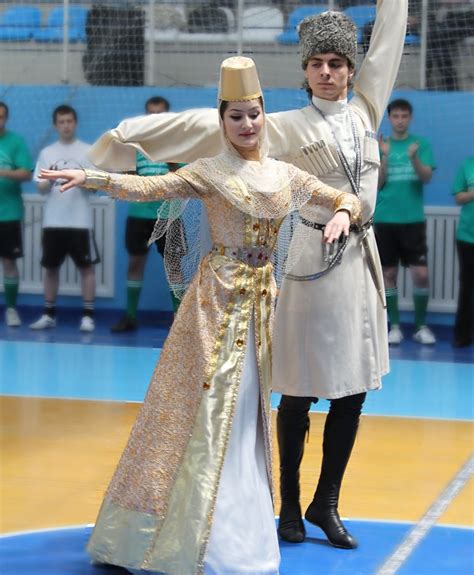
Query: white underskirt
[243, 538]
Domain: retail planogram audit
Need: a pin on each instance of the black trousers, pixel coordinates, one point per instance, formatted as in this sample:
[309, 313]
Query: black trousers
[350, 406]
[464, 324]
[340, 432]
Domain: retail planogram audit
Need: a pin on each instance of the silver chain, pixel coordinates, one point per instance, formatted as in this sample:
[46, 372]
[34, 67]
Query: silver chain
[353, 177]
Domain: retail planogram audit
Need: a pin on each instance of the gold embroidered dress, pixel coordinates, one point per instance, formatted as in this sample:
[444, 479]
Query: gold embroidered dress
[158, 511]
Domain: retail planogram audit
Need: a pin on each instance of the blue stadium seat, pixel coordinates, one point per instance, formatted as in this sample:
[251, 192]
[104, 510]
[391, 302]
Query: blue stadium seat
[53, 31]
[290, 35]
[361, 15]
[19, 24]
[412, 40]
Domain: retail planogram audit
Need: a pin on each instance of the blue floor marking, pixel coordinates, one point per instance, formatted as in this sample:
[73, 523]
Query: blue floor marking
[154, 328]
[439, 553]
[61, 370]
[421, 389]
[79, 371]
[446, 550]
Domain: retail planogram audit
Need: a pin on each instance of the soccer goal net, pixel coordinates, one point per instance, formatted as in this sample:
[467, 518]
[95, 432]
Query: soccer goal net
[106, 58]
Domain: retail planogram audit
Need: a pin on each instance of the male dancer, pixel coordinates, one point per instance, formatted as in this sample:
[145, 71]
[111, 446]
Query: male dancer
[330, 333]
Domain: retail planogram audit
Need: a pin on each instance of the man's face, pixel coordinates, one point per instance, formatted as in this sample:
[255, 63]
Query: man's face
[65, 125]
[155, 108]
[328, 76]
[3, 118]
[399, 120]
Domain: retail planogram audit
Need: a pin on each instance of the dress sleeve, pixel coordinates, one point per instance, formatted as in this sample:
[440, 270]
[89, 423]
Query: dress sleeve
[324, 195]
[379, 70]
[182, 184]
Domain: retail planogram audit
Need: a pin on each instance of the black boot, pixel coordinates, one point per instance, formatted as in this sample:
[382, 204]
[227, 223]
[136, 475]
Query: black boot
[292, 426]
[339, 436]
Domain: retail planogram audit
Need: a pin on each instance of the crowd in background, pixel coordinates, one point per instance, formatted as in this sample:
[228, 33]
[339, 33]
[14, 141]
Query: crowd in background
[407, 163]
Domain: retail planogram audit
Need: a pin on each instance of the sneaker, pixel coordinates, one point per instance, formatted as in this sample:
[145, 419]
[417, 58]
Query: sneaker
[87, 324]
[395, 335]
[127, 323]
[44, 322]
[424, 335]
[12, 319]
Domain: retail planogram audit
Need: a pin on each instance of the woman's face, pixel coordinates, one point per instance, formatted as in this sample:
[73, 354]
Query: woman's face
[243, 123]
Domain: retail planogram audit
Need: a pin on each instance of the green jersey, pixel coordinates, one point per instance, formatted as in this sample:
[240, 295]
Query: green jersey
[400, 200]
[147, 210]
[14, 155]
[464, 182]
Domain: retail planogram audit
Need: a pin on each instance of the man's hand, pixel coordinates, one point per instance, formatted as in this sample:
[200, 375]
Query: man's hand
[413, 150]
[423, 172]
[384, 145]
[17, 175]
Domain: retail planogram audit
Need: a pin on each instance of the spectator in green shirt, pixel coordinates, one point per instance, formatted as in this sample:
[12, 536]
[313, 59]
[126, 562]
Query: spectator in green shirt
[463, 191]
[16, 166]
[400, 227]
[140, 222]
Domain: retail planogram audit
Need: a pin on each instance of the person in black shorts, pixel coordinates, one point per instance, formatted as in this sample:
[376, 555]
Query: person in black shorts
[407, 164]
[67, 222]
[140, 222]
[15, 167]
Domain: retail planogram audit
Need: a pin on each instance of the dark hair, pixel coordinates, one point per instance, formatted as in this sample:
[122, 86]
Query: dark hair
[62, 110]
[157, 101]
[400, 104]
[224, 104]
[5, 107]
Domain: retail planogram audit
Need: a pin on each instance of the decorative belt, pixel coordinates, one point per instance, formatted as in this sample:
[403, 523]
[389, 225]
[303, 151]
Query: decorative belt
[255, 256]
[333, 257]
[354, 227]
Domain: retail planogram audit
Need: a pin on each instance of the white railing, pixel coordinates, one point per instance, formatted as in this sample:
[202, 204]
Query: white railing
[442, 262]
[442, 258]
[31, 272]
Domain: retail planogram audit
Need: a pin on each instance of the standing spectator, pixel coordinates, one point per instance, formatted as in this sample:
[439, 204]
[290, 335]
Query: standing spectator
[15, 167]
[400, 227]
[464, 195]
[67, 221]
[140, 222]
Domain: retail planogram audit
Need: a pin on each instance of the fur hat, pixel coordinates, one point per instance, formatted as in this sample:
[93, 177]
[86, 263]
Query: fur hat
[328, 32]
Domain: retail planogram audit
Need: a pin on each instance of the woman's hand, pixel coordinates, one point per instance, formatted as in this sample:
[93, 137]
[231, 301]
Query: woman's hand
[337, 225]
[72, 178]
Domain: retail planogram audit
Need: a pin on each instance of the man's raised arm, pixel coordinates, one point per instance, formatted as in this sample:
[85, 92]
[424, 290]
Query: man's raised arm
[379, 69]
[168, 137]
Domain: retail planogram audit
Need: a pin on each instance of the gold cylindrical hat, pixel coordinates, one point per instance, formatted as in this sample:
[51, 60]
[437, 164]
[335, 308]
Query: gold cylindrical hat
[239, 80]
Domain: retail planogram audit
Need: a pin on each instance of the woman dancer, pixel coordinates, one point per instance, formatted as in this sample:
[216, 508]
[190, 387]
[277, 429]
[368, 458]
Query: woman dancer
[192, 491]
